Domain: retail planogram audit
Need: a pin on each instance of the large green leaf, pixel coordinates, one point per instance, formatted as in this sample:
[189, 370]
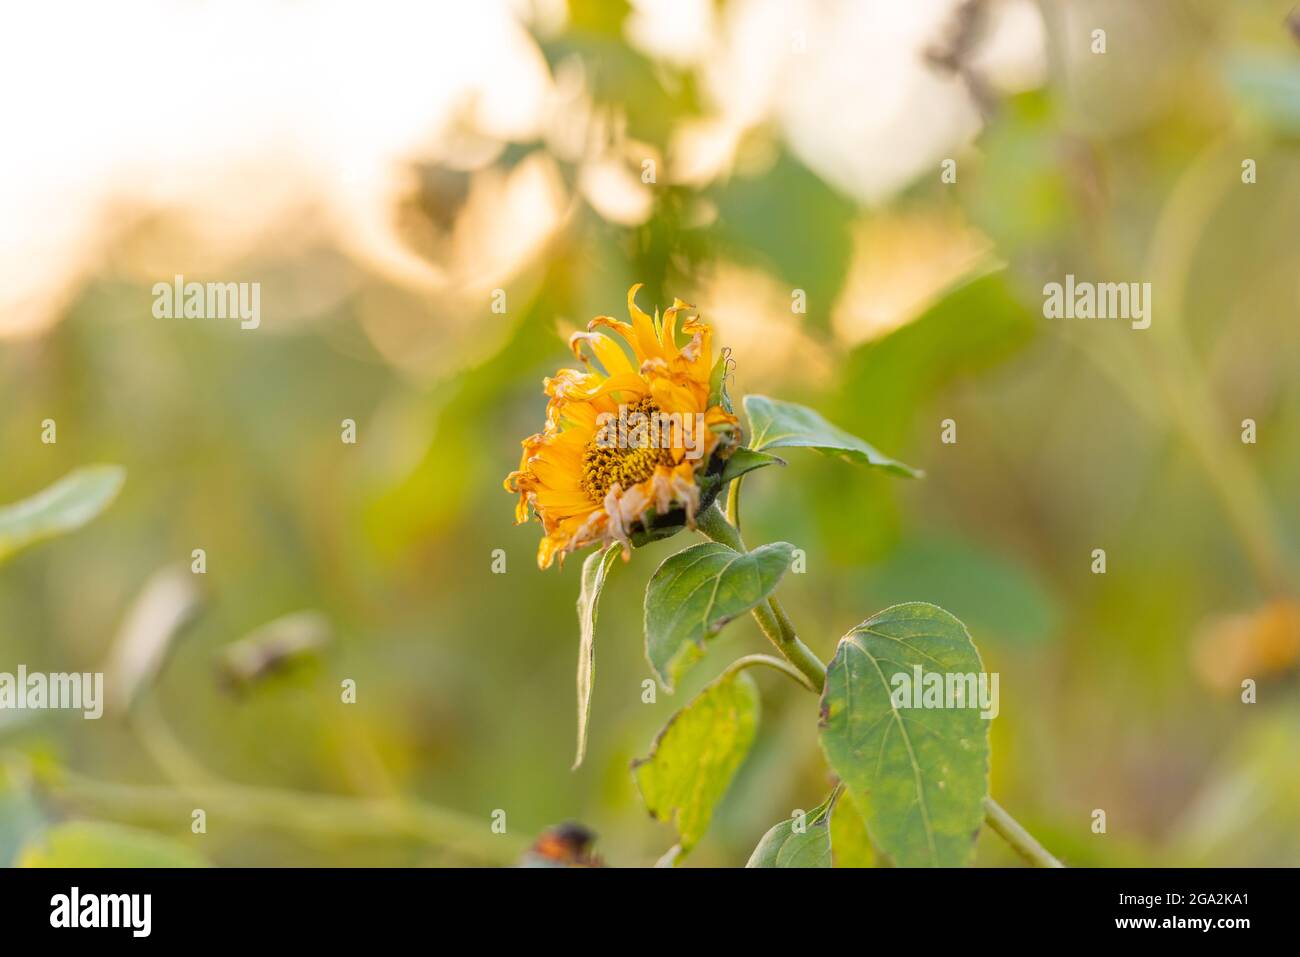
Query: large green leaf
[697, 591]
[774, 424]
[594, 571]
[696, 755]
[97, 844]
[919, 775]
[66, 505]
[797, 843]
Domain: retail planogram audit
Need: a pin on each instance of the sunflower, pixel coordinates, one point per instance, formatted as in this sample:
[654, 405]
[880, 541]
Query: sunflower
[630, 449]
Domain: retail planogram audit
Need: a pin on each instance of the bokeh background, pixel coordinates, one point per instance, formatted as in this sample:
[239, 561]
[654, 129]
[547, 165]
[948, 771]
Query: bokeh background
[382, 169]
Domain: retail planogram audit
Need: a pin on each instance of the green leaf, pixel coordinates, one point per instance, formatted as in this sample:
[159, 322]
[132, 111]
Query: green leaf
[784, 846]
[919, 775]
[697, 591]
[718, 394]
[696, 755]
[746, 460]
[97, 844]
[850, 845]
[66, 505]
[774, 424]
[594, 571]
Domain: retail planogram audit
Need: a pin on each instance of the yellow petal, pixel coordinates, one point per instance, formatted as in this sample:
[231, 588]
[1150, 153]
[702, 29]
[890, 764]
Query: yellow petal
[612, 359]
[647, 338]
[668, 334]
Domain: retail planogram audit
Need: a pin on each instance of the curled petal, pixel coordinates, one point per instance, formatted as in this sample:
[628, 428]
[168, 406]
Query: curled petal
[563, 470]
[612, 359]
[647, 337]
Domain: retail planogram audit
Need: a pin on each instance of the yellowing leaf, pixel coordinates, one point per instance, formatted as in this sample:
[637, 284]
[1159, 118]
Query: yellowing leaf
[918, 774]
[798, 842]
[696, 755]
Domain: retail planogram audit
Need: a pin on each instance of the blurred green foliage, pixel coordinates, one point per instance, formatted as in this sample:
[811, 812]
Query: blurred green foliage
[1070, 439]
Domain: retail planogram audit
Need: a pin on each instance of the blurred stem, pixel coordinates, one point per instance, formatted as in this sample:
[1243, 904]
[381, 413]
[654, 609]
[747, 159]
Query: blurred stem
[1170, 379]
[776, 624]
[168, 753]
[1021, 841]
[179, 765]
[302, 812]
[1182, 225]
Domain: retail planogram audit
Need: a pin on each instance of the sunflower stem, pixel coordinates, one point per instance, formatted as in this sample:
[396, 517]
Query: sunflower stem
[771, 617]
[780, 664]
[1021, 841]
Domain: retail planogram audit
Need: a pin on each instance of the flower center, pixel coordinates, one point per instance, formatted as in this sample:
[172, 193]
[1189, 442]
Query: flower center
[624, 450]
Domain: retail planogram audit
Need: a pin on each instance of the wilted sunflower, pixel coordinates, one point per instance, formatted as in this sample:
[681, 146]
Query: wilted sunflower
[632, 451]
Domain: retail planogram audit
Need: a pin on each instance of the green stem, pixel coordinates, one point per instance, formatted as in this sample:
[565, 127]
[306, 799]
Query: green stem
[749, 661]
[772, 619]
[1021, 841]
[776, 624]
[175, 761]
[302, 812]
[769, 615]
[713, 524]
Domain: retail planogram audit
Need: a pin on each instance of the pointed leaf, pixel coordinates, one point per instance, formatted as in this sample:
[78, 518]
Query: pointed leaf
[697, 591]
[774, 424]
[66, 505]
[783, 846]
[696, 755]
[594, 571]
[918, 775]
[746, 460]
